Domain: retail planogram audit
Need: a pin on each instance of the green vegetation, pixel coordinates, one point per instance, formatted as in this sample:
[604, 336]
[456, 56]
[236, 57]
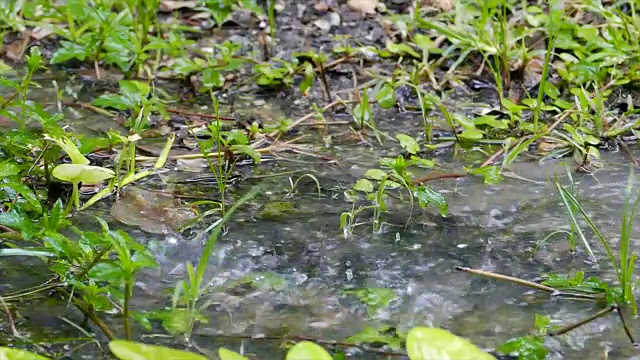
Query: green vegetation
[557, 81]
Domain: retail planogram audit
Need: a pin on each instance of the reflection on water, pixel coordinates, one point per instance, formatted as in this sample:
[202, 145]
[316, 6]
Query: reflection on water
[300, 266]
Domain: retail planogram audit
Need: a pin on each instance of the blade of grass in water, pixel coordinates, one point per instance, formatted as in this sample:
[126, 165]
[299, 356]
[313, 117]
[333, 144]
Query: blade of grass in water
[564, 195]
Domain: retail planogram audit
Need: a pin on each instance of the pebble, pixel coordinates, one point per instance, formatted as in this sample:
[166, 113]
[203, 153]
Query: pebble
[323, 25]
[334, 19]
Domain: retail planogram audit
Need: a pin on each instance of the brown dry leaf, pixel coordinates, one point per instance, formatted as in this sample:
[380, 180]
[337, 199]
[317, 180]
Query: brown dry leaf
[15, 50]
[171, 5]
[364, 6]
[444, 5]
[40, 33]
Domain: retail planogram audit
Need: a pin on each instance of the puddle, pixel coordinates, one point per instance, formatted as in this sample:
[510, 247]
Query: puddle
[301, 265]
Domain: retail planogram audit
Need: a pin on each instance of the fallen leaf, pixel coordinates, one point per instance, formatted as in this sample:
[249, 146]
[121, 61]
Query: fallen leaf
[171, 5]
[444, 5]
[364, 6]
[15, 50]
[40, 33]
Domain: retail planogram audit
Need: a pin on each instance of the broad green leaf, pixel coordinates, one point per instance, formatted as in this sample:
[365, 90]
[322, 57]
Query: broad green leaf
[68, 51]
[401, 49]
[114, 101]
[18, 354]
[383, 335]
[26, 192]
[129, 350]
[363, 185]
[70, 148]
[471, 134]
[375, 174]
[408, 143]
[247, 150]
[437, 344]
[423, 41]
[427, 196]
[212, 79]
[8, 169]
[491, 174]
[86, 174]
[374, 298]
[20, 221]
[309, 75]
[386, 96]
[230, 355]
[306, 350]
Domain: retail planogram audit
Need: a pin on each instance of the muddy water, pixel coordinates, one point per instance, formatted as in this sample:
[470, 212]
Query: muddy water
[300, 264]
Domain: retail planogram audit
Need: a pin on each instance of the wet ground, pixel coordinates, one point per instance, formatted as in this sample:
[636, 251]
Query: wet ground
[301, 264]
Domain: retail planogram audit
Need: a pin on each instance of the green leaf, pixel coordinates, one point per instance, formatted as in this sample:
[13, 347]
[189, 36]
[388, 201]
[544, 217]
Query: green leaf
[20, 221]
[363, 185]
[17, 354]
[129, 350]
[427, 196]
[108, 272]
[86, 174]
[68, 51]
[408, 143]
[375, 174]
[247, 150]
[306, 350]
[386, 96]
[436, 344]
[374, 298]
[212, 79]
[491, 174]
[26, 193]
[230, 355]
[309, 75]
[113, 101]
[423, 41]
[384, 335]
[527, 347]
[70, 148]
[401, 49]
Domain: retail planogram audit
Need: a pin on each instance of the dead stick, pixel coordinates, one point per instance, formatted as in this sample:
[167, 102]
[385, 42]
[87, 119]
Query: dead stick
[514, 280]
[204, 116]
[12, 324]
[624, 325]
[566, 329]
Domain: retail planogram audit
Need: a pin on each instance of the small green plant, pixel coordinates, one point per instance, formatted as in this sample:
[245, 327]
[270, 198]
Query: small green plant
[624, 263]
[530, 347]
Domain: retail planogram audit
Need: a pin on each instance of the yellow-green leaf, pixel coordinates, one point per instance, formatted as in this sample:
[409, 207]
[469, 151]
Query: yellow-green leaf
[17, 354]
[230, 355]
[85, 174]
[437, 344]
[129, 350]
[306, 350]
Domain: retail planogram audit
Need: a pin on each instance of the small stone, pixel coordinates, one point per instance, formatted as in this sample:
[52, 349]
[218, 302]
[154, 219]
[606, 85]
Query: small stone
[321, 7]
[322, 24]
[381, 8]
[364, 6]
[334, 19]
